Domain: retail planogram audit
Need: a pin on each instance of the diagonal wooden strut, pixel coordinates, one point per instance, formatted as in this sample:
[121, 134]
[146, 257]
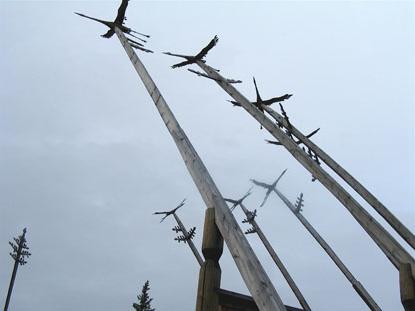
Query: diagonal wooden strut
[358, 287]
[276, 259]
[390, 247]
[251, 270]
[189, 242]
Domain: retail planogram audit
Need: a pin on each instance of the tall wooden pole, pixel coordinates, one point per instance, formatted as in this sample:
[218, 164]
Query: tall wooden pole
[189, 241]
[358, 287]
[394, 222]
[390, 247]
[19, 253]
[251, 270]
[276, 259]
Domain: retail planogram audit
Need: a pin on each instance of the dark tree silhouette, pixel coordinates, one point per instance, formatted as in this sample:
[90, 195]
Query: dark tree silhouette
[144, 300]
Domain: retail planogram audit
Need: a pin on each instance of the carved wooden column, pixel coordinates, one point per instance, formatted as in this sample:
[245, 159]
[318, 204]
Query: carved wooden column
[210, 272]
[407, 284]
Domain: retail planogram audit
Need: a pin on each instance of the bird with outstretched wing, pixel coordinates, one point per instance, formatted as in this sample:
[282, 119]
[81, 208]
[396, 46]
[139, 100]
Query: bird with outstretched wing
[198, 57]
[169, 212]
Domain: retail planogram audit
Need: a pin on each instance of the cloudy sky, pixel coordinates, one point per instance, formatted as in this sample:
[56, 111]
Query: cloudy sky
[85, 158]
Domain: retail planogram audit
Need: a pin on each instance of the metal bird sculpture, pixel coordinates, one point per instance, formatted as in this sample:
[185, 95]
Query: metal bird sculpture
[235, 203]
[259, 101]
[119, 22]
[297, 142]
[269, 187]
[170, 212]
[193, 59]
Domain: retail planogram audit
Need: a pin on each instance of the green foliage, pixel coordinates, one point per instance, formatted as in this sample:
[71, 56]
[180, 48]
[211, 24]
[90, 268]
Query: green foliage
[144, 300]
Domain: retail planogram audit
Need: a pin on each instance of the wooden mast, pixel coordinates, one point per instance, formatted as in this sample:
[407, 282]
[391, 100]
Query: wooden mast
[276, 259]
[251, 270]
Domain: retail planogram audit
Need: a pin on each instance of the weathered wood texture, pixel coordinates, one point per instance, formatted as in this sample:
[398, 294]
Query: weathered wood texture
[390, 247]
[231, 301]
[252, 272]
[189, 241]
[277, 261]
[393, 221]
[210, 272]
[355, 283]
[407, 284]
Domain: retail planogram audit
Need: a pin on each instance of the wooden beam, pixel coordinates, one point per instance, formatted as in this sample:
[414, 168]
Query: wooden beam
[210, 272]
[358, 287]
[407, 283]
[189, 241]
[390, 247]
[251, 270]
[276, 259]
[392, 220]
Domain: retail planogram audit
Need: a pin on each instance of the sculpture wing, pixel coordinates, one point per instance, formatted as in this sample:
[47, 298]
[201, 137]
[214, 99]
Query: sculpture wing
[273, 142]
[265, 199]
[108, 34]
[277, 99]
[208, 47]
[121, 12]
[234, 103]
[187, 62]
[230, 200]
[312, 133]
[159, 213]
[258, 97]
[261, 184]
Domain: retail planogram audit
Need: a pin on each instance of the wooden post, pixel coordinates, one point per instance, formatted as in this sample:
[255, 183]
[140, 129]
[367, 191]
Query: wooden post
[189, 241]
[358, 287]
[407, 283]
[210, 272]
[394, 222]
[277, 260]
[390, 247]
[252, 272]
[20, 251]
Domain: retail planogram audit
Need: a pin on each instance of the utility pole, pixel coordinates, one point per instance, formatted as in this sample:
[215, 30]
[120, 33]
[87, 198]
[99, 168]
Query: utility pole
[252, 272]
[390, 247]
[187, 237]
[20, 251]
[358, 287]
[250, 218]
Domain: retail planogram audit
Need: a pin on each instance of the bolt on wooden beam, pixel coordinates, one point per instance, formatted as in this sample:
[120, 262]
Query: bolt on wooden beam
[251, 270]
[389, 246]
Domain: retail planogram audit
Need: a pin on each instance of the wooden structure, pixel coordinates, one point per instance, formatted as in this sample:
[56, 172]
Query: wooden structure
[388, 244]
[210, 297]
[251, 270]
[20, 251]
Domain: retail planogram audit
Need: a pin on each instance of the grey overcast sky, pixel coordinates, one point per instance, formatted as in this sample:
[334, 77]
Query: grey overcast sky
[85, 158]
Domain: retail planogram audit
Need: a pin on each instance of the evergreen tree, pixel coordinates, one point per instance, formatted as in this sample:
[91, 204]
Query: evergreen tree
[144, 300]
